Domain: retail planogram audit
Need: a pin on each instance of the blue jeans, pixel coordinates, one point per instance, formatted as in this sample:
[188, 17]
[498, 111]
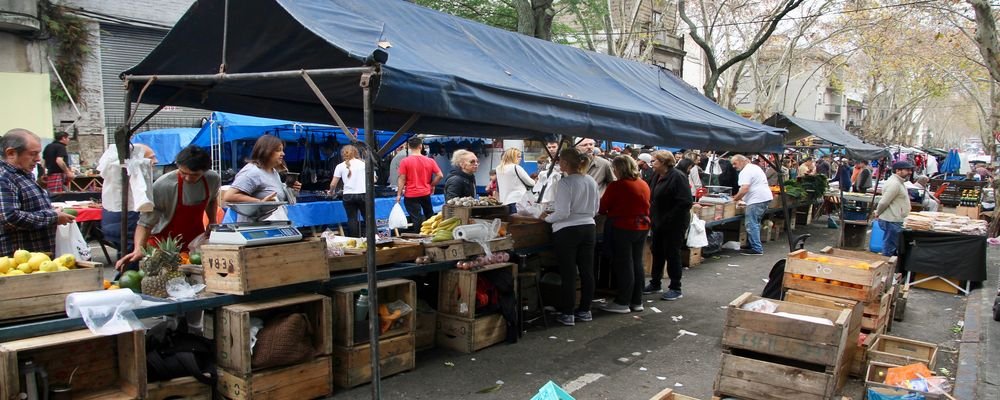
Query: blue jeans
[754, 213]
[890, 236]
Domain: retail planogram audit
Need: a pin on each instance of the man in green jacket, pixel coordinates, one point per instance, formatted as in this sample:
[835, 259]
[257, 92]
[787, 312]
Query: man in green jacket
[894, 206]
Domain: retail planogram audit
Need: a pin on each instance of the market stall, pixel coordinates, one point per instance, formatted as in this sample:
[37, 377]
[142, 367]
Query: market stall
[943, 248]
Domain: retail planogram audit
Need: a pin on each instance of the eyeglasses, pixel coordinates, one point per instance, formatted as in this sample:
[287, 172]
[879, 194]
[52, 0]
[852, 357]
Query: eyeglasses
[473, 161]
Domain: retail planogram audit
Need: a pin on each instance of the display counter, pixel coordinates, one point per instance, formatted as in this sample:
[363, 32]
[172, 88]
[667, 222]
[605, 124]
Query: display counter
[320, 213]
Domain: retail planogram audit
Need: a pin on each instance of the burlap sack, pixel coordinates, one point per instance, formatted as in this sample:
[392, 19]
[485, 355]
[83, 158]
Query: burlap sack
[284, 340]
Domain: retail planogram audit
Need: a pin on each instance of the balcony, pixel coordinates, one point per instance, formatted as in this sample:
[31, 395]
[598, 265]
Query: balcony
[833, 109]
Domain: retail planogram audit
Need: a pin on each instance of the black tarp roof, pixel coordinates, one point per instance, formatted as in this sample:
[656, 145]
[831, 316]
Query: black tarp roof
[464, 78]
[801, 128]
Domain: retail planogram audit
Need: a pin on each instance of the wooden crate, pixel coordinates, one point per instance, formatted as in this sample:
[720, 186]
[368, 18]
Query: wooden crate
[804, 215]
[348, 332]
[729, 209]
[528, 232]
[890, 262]
[854, 325]
[470, 335]
[36, 295]
[181, 388]
[690, 257]
[396, 251]
[875, 378]
[668, 394]
[467, 213]
[308, 380]
[859, 365]
[901, 351]
[451, 250]
[876, 315]
[789, 338]
[110, 367]
[426, 324]
[457, 289]
[749, 378]
[899, 308]
[232, 327]
[241, 270]
[352, 366]
[829, 268]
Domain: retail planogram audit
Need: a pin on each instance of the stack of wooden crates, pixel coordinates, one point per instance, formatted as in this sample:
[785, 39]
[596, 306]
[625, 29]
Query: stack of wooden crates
[459, 327]
[351, 339]
[769, 356]
[832, 279]
[240, 380]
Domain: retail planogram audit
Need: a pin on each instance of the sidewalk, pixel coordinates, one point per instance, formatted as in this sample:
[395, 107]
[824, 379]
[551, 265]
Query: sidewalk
[636, 355]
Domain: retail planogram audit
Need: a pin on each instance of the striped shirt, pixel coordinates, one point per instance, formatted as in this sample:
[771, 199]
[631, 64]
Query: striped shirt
[27, 220]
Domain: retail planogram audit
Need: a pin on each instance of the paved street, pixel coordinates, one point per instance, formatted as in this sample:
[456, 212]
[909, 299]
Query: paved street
[636, 355]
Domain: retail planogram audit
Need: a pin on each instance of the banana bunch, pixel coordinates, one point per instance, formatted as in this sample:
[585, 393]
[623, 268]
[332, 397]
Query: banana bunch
[441, 230]
[427, 228]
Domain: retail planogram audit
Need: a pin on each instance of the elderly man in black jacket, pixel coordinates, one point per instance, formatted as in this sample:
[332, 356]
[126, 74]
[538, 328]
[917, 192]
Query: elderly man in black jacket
[461, 180]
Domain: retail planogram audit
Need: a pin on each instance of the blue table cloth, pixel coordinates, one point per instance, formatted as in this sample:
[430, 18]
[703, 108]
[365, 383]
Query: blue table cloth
[321, 213]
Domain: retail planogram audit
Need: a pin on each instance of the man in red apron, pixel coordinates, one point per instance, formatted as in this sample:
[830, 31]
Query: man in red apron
[180, 201]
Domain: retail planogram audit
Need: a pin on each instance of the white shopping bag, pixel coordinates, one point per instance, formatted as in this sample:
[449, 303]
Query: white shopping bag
[696, 237]
[69, 240]
[397, 218]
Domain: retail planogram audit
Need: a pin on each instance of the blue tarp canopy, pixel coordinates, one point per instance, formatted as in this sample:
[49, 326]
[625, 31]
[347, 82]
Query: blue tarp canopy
[801, 128]
[463, 78]
[166, 143]
[235, 127]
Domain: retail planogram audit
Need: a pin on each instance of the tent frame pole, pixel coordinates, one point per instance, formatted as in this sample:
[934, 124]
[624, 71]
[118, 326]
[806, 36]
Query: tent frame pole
[250, 76]
[399, 133]
[329, 107]
[122, 137]
[370, 226]
[784, 199]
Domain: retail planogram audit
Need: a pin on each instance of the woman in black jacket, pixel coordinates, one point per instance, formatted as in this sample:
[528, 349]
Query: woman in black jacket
[461, 180]
[670, 212]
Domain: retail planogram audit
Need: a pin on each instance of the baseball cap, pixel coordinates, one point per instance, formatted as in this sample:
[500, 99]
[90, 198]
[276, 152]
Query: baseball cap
[902, 165]
[646, 157]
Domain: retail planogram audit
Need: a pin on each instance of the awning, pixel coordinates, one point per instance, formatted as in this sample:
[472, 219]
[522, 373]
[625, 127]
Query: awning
[462, 77]
[232, 127]
[801, 128]
[166, 143]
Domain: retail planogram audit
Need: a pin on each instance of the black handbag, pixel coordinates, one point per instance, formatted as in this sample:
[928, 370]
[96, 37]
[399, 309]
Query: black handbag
[176, 353]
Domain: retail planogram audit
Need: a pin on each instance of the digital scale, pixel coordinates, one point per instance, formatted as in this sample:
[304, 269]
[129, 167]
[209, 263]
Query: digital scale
[255, 232]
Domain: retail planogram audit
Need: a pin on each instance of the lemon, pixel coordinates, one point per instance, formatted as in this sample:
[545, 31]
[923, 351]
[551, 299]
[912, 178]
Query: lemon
[36, 261]
[67, 260]
[24, 268]
[21, 256]
[6, 264]
[61, 268]
[49, 266]
[15, 272]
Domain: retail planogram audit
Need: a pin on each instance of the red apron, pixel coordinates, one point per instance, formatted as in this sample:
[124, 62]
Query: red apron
[187, 220]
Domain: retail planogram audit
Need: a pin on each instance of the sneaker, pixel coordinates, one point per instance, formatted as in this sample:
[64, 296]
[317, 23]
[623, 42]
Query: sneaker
[651, 288]
[752, 253]
[672, 295]
[584, 316]
[565, 319]
[614, 308]
[636, 307]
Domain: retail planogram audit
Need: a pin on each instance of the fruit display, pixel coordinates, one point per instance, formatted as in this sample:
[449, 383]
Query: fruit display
[482, 261]
[830, 281]
[160, 265]
[473, 202]
[441, 229]
[841, 262]
[23, 262]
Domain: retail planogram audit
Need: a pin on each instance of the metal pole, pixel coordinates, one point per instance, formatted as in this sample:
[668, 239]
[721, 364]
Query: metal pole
[247, 76]
[121, 142]
[784, 198]
[370, 226]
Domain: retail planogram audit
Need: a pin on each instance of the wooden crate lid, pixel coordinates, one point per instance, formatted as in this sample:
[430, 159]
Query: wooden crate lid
[380, 284]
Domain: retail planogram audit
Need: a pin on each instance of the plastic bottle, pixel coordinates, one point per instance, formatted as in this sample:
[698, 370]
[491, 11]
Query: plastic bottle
[361, 306]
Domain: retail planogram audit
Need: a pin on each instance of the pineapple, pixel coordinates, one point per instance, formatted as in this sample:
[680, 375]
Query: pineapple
[160, 265]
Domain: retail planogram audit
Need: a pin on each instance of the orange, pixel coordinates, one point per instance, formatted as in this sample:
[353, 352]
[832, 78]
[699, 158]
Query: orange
[797, 276]
[821, 280]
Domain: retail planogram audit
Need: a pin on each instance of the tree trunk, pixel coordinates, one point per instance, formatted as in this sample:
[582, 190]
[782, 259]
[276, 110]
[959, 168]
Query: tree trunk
[986, 36]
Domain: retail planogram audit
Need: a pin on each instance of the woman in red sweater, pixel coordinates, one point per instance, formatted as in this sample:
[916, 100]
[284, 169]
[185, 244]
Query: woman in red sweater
[626, 203]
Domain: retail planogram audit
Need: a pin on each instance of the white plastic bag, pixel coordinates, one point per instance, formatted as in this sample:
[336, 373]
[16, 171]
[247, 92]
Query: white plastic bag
[397, 218]
[696, 236]
[527, 206]
[180, 289]
[69, 240]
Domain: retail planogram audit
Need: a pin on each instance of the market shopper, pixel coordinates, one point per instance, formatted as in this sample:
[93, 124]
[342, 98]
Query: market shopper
[930, 202]
[352, 172]
[861, 177]
[574, 235]
[646, 172]
[626, 203]
[599, 168]
[808, 167]
[670, 212]
[181, 200]
[755, 192]
[260, 180]
[894, 206]
[461, 180]
[418, 175]
[27, 219]
[58, 173]
[512, 180]
[687, 167]
[694, 174]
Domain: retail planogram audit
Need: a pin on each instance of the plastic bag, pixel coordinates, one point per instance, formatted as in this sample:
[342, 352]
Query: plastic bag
[180, 289]
[761, 305]
[527, 206]
[552, 391]
[69, 240]
[397, 218]
[898, 376]
[696, 236]
[882, 394]
[110, 320]
[404, 309]
[194, 246]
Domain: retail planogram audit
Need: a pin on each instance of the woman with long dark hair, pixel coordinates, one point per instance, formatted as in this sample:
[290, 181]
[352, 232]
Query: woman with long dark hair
[626, 203]
[574, 235]
[259, 180]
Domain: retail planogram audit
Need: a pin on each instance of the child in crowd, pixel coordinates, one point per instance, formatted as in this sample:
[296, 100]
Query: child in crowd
[491, 189]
